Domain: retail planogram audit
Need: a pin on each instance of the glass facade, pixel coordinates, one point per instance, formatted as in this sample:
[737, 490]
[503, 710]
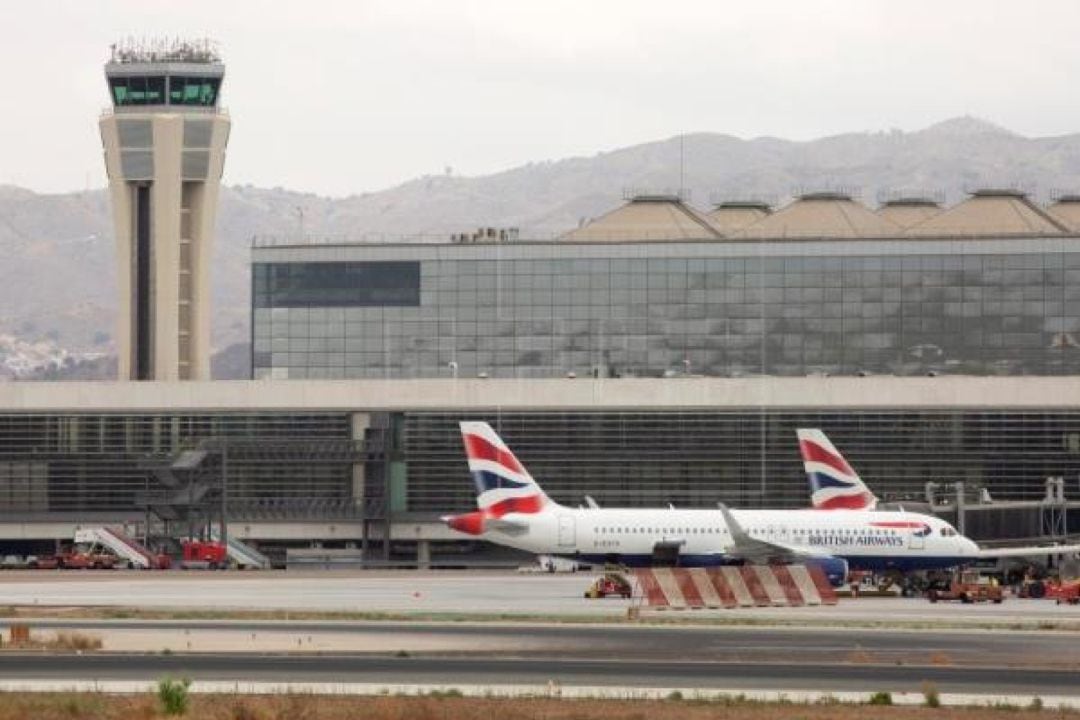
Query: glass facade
[751, 459]
[300, 466]
[80, 463]
[980, 307]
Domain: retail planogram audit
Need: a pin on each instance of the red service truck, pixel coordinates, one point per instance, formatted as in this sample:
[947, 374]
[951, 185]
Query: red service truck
[204, 555]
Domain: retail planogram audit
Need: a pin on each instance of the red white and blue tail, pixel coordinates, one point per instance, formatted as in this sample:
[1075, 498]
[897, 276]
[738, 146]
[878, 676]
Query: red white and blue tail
[503, 485]
[834, 485]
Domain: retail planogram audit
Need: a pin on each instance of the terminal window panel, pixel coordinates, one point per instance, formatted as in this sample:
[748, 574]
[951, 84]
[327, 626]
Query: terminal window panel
[903, 315]
[751, 459]
[336, 284]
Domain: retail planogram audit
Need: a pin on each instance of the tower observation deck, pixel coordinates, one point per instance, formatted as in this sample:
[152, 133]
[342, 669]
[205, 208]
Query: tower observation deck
[164, 139]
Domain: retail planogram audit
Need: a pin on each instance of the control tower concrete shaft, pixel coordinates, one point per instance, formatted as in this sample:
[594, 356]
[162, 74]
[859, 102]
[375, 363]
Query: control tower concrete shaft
[164, 140]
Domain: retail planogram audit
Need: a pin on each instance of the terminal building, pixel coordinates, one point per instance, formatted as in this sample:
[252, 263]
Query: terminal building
[673, 368]
[658, 354]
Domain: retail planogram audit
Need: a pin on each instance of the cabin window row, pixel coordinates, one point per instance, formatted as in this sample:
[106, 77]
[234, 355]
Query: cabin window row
[633, 530]
[751, 531]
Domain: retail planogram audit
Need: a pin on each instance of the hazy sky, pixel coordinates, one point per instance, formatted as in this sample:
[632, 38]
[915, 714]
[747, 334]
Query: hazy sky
[346, 97]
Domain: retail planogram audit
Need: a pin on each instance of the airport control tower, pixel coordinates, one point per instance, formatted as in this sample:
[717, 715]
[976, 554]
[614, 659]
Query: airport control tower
[164, 139]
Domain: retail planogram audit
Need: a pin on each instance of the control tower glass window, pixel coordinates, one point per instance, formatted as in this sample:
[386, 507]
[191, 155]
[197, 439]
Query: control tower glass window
[193, 90]
[138, 90]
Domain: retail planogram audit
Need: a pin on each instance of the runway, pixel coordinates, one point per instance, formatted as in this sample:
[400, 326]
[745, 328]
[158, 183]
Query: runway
[569, 672]
[826, 653]
[593, 642]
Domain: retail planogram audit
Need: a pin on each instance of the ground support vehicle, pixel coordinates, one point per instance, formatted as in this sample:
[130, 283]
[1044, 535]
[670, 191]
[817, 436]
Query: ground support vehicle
[611, 584]
[42, 562]
[204, 555]
[1064, 593]
[80, 559]
[1034, 588]
[967, 587]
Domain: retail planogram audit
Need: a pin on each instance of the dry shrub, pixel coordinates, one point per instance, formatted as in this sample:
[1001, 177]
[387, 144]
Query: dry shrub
[243, 709]
[931, 696]
[70, 640]
[940, 658]
[63, 641]
[859, 656]
[296, 707]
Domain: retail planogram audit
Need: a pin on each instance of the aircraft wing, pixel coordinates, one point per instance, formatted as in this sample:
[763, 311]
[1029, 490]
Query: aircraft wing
[1030, 551]
[755, 550]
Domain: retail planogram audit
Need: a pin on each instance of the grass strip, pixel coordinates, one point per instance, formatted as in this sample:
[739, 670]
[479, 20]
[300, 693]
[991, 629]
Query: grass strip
[450, 704]
[647, 618]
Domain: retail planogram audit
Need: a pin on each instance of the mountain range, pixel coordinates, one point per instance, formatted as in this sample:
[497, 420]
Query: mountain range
[57, 274]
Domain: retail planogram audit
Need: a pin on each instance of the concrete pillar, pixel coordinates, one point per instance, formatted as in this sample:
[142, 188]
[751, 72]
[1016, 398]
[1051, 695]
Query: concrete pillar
[423, 554]
[359, 423]
[961, 524]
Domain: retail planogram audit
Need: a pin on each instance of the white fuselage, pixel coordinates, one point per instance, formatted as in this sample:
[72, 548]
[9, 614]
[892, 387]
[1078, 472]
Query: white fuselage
[871, 540]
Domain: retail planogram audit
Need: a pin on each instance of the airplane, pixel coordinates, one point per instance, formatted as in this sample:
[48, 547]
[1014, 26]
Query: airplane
[834, 485]
[513, 510]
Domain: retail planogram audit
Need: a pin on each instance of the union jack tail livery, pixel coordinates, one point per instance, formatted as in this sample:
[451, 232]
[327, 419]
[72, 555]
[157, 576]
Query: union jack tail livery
[834, 485]
[503, 485]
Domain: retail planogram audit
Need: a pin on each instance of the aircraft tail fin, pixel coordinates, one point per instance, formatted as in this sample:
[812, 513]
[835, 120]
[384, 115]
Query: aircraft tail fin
[503, 484]
[834, 484]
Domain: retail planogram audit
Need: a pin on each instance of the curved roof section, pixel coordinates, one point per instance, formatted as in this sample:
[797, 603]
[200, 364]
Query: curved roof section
[647, 217]
[906, 212]
[822, 215]
[1002, 212]
[731, 216]
[1066, 210]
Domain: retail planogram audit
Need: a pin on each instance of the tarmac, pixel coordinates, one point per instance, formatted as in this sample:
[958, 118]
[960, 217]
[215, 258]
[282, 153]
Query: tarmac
[822, 653]
[607, 641]
[455, 593]
[33, 670]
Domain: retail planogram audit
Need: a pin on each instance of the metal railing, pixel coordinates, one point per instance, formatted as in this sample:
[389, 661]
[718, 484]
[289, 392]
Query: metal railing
[283, 509]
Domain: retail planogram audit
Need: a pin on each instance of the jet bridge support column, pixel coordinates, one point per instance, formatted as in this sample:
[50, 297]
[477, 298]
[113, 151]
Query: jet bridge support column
[423, 554]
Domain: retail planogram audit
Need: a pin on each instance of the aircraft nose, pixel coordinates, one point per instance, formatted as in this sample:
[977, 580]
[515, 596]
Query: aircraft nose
[971, 549]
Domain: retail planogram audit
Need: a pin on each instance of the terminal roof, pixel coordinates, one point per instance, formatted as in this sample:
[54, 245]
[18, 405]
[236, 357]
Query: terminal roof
[647, 217]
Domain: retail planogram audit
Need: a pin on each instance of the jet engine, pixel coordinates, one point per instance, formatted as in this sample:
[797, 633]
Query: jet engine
[835, 569]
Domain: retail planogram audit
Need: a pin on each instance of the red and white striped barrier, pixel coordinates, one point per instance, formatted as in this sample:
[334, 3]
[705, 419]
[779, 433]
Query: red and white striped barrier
[734, 586]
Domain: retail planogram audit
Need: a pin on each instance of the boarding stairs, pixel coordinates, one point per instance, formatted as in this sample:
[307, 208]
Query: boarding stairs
[123, 546]
[243, 554]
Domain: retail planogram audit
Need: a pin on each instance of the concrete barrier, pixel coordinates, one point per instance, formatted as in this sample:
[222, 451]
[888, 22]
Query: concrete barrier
[734, 586]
